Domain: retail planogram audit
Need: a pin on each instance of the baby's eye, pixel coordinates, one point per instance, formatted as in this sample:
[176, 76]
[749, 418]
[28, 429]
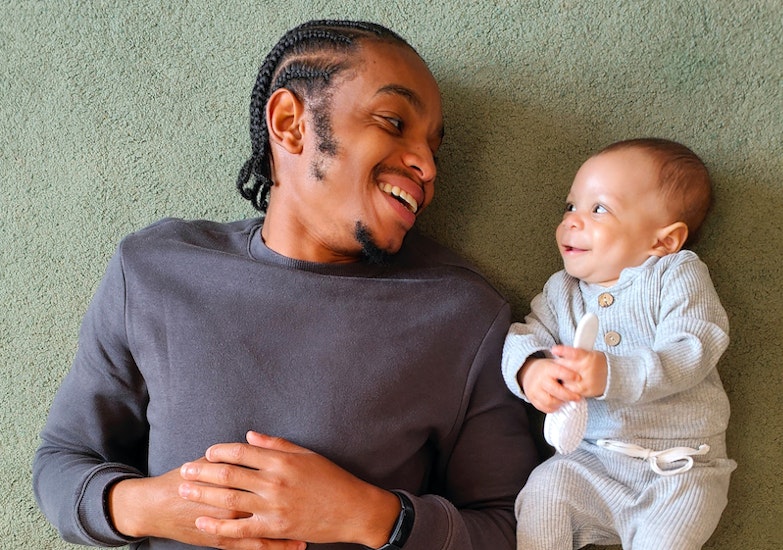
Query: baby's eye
[569, 207]
[599, 209]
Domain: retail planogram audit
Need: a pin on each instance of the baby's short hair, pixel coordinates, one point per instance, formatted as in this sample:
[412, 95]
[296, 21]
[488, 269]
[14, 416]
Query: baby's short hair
[684, 181]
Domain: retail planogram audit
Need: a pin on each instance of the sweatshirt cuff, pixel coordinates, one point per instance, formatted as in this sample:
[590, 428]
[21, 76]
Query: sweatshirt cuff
[93, 505]
[433, 528]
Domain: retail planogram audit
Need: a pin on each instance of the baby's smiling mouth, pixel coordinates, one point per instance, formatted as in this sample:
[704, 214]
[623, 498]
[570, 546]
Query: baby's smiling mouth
[401, 195]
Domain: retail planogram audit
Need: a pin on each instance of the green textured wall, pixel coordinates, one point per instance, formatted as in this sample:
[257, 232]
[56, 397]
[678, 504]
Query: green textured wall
[113, 114]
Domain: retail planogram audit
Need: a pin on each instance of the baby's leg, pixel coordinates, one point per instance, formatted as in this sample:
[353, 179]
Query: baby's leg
[680, 511]
[560, 507]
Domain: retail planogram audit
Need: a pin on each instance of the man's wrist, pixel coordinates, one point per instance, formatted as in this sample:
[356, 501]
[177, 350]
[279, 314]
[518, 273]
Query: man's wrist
[403, 526]
[119, 498]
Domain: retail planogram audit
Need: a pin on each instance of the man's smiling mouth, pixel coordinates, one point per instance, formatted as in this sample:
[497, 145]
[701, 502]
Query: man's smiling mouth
[404, 197]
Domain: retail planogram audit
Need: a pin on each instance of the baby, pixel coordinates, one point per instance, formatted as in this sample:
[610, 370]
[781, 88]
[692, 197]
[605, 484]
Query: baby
[651, 470]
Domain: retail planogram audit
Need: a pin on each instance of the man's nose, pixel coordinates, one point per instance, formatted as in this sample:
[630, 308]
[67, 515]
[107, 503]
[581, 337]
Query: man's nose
[421, 160]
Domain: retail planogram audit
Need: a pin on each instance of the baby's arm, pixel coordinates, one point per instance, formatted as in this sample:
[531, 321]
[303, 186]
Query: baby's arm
[691, 333]
[527, 370]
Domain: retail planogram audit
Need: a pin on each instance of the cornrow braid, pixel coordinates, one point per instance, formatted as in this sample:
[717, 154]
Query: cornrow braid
[304, 60]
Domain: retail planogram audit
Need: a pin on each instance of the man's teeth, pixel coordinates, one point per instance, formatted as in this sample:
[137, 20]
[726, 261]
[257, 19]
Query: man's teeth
[395, 191]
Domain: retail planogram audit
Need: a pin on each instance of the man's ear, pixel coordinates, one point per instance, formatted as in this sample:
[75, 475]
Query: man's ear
[671, 238]
[285, 120]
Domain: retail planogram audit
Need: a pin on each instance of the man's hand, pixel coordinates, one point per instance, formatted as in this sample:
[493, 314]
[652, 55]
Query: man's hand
[152, 507]
[290, 493]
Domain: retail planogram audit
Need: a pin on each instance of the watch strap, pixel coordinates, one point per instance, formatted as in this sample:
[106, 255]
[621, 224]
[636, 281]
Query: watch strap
[403, 526]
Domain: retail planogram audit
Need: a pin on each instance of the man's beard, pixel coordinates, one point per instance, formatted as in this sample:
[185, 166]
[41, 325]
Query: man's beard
[370, 251]
[326, 145]
[328, 148]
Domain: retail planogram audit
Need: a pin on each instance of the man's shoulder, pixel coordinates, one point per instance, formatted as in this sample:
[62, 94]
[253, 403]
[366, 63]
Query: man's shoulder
[427, 255]
[209, 234]
[426, 251]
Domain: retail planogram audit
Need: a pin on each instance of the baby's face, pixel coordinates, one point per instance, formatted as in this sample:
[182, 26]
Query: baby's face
[613, 217]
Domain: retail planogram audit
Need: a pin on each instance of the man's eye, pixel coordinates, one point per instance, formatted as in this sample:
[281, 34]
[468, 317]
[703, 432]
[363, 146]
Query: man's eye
[599, 209]
[396, 122]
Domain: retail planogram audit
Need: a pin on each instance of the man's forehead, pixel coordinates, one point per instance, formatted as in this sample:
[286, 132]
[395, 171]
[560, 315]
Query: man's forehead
[398, 63]
[396, 70]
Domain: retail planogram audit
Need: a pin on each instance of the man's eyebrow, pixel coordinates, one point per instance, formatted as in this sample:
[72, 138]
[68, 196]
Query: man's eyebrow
[396, 89]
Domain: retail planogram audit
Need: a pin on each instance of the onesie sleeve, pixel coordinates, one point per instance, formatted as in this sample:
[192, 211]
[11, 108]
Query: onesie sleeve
[691, 334]
[95, 432]
[535, 336]
[484, 465]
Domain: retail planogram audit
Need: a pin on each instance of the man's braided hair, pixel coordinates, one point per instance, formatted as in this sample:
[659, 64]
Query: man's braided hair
[304, 61]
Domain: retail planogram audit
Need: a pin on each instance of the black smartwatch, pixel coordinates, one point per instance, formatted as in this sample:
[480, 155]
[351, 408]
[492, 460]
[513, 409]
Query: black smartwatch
[403, 526]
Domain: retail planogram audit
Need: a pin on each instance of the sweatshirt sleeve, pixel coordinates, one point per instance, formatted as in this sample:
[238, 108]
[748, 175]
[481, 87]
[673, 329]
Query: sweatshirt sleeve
[471, 503]
[95, 432]
[692, 333]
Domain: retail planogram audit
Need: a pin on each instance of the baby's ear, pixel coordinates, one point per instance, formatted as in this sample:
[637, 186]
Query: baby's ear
[671, 238]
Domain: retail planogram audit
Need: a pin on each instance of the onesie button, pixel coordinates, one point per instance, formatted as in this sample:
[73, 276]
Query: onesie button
[612, 338]
[605, 299]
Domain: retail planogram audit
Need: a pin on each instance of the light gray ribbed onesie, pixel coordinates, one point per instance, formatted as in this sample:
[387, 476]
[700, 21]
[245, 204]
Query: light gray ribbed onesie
[663, 330]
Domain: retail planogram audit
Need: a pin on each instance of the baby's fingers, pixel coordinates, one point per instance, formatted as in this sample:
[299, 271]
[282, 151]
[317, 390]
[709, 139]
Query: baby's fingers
[567, 352]
[551, 395]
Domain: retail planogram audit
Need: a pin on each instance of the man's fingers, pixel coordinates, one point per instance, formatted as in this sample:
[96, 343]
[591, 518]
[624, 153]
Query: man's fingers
[219, 497]
[273, 443]
[223, 474]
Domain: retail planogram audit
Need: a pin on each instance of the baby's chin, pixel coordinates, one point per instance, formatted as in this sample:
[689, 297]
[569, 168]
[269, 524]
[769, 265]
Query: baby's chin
[600, 281]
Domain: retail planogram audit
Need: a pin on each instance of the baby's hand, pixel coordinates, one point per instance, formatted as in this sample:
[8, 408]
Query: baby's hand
[546, 384]
[589, 367]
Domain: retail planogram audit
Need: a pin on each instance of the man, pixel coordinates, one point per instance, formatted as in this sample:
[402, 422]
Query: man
[359, 360]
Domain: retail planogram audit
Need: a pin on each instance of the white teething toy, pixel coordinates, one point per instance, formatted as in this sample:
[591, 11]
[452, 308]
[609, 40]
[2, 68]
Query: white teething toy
[565, 428]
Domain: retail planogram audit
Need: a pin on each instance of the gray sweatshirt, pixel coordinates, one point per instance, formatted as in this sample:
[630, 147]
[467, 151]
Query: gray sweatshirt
[198, 333]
